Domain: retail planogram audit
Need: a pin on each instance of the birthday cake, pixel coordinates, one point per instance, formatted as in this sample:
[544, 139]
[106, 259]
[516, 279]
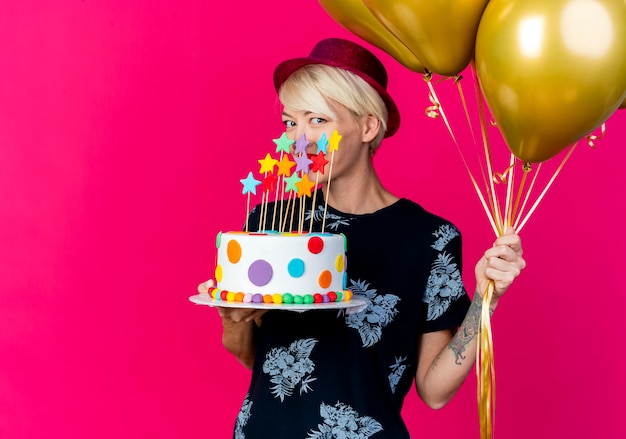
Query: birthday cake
[280, 268]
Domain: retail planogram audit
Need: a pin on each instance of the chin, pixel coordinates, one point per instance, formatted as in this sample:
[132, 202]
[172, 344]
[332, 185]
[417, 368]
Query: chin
[318, 177]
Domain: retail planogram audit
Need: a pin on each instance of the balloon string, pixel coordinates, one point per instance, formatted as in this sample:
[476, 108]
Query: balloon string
[489, 180]
[509, 190]
[457, 81]
[486, 207]
[486, 175]
[485, 368]
[436, 110]
[526, 169]
[488, 212]
[556, 173]
[591, 138]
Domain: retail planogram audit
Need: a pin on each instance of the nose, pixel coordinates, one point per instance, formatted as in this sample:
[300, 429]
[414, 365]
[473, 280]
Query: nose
[301, 142]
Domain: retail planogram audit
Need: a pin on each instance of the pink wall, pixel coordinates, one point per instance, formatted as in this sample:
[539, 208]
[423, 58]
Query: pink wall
[125, 127]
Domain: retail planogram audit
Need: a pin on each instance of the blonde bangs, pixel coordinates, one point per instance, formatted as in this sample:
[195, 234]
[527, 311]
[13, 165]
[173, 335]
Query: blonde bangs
[316, 87]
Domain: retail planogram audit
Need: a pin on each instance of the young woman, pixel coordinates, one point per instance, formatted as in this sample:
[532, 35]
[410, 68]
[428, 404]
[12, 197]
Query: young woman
[330, 374]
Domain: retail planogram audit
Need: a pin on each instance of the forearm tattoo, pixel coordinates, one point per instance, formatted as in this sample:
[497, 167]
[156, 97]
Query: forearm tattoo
[468, 331]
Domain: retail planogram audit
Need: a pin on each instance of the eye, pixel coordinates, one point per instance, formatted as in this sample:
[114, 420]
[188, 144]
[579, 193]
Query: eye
[317, 120]
[289, 123]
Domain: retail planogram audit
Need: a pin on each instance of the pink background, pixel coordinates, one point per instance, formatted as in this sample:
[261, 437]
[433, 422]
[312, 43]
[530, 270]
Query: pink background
[125, 127]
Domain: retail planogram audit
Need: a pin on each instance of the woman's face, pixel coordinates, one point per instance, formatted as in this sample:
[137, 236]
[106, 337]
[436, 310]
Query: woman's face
[351, 147]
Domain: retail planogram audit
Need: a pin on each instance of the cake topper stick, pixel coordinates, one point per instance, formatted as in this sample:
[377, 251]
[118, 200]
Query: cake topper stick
[319, 163]
[291, 188]
[293, 208]
[333, 145]
[284, 169]
[302, 165]
[268, 187]
[263, 213]
[249, 185]
[283, 223]
[267, 168]
[301, 216]
[283, 144]
[275, 205]
[304, 190]
[317, 178]
[247, 212]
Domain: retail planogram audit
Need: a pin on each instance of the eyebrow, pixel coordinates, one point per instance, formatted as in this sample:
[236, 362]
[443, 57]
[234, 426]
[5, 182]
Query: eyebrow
[306, 113]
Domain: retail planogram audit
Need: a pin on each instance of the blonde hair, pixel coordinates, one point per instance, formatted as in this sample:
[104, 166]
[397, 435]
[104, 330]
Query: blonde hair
[316, 87]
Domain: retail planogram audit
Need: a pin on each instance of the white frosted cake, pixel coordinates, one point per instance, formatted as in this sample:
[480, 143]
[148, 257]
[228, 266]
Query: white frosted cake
[272, 267]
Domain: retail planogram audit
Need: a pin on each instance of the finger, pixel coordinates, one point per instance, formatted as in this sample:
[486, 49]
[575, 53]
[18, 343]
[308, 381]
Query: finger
[503, 265]
[255, 315]
[238, 315]
[503, 252]
[510, 231]
[512, 241]
[203, 288]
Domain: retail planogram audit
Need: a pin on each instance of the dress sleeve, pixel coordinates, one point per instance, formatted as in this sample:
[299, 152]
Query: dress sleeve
[446, 299]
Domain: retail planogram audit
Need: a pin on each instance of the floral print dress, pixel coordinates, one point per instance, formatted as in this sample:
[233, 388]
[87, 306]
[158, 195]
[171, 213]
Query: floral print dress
[326, 374]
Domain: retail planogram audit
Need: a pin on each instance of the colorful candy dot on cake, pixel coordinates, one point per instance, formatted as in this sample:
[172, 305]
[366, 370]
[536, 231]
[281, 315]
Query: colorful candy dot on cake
[315, 245]
[247, 298]
[332, 296]
[339, 263]
[298, 299]
[325, 279]
[260, 272]
[287, 298]
[308, 299]
[317, 298]
[296, 267]
[325, 298]
[267, 298]
[347, 295]
[223, 295]
[239, 297]
[277, 298]
[218, 273]
[230, 296]
[233, 251]
[257, 298]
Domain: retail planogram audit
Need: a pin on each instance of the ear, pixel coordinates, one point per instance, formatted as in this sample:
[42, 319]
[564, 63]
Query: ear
[371, 127]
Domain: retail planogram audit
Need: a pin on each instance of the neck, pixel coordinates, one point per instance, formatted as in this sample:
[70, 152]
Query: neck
[359, 193]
